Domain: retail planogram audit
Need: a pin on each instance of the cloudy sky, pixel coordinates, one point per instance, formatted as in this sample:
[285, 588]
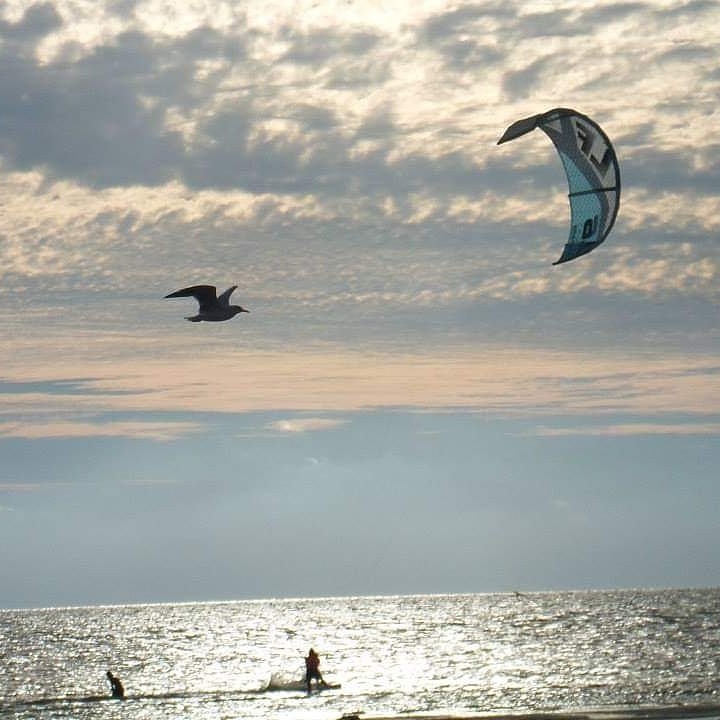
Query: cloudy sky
[418, 400]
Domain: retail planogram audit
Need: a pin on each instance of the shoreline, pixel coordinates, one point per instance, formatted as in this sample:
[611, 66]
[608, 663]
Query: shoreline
[639, 712]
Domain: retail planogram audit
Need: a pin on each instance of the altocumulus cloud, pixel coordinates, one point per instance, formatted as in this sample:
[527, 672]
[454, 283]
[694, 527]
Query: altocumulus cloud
[341, 167]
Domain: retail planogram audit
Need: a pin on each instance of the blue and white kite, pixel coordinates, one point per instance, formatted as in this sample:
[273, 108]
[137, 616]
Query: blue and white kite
[592, 171]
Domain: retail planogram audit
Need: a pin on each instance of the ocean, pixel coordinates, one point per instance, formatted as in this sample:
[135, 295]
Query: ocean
[630, 653]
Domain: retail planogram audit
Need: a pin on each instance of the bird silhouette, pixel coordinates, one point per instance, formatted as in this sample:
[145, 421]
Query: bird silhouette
[213, 308]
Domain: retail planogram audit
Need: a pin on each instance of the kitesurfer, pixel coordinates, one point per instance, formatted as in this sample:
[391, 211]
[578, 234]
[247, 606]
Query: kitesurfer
[116, 687]
[312, 669]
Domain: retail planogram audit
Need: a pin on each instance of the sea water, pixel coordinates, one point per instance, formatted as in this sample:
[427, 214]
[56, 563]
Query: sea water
[621, 651]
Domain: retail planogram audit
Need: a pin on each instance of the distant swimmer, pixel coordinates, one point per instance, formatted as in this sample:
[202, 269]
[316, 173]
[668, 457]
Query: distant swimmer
[312, 669]
[116, 687]
[213, 308]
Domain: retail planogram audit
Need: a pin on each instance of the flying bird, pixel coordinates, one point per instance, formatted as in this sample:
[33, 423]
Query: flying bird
[212, 308]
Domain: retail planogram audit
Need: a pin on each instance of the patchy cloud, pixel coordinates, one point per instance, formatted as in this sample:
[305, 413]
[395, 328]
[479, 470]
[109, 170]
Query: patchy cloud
[37, 21]
[341, 168]
[29, 428]
[631, 429]
[520, 382]
[303, 425]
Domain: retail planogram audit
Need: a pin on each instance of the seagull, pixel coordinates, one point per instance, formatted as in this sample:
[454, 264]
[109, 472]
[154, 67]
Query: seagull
[212, 308]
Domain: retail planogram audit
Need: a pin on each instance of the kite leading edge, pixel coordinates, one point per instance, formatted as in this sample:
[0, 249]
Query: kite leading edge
[592, 171]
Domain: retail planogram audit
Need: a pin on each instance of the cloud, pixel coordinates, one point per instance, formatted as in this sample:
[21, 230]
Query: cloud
[341, 168]
[691, 10]
[318, 47]
[96, 120]
[613, 12]
[37, 21]
[234, 106]
[303, 425]
[151, 481]
[521, 382]
[676, 171]
[16, 487]
[29, 428]
[467, 36]
[519, 84]
[631, 429]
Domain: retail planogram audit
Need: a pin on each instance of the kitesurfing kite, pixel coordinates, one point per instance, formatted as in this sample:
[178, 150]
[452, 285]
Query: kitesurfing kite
[592, 171]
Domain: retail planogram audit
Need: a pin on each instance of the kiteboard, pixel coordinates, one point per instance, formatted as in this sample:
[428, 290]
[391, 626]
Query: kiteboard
[301, 685]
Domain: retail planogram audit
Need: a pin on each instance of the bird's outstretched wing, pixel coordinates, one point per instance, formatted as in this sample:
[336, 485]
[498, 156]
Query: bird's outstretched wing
[224, 298]
[204, 294]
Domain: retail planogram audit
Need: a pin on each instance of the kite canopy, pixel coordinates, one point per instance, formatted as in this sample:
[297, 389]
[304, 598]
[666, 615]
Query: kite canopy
[592, 171]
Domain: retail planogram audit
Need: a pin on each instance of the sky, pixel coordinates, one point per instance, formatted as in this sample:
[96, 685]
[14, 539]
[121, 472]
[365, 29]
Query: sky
[418, 401]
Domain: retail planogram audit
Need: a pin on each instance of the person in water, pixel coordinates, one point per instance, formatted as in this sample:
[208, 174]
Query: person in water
[116, 687]
[312, 669]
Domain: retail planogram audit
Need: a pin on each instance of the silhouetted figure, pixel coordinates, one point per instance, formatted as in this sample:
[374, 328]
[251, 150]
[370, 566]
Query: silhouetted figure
[312, 669]
[213, 307]
[116, 687]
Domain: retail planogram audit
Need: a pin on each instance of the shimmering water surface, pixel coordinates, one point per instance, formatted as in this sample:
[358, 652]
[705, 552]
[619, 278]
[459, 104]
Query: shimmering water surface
[460, 654]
